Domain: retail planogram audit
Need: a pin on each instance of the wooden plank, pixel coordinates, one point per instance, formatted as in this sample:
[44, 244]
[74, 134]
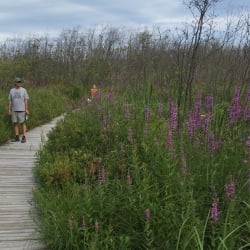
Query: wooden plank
[18, 226]
[17, 245]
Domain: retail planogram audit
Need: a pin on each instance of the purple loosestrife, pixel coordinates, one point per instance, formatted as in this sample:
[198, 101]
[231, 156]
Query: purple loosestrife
[209, 104]
[205, 125]
[214, 211]
[234, 110]
[195, 120]
[209, 109]
[173, 116]
[147, 214]
[229, 189]
[190, 126]
[214, 206]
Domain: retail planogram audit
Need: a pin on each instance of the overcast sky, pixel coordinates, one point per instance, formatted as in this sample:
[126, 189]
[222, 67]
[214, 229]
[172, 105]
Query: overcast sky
[22, 18]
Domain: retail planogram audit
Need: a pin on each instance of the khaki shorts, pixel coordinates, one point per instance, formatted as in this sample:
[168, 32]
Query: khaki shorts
[18, 116]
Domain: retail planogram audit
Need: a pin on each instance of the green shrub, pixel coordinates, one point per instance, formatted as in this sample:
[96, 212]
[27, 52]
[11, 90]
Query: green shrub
[110, 177]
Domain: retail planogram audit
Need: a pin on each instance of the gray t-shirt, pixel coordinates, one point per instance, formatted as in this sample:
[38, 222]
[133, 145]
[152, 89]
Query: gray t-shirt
[17, 98]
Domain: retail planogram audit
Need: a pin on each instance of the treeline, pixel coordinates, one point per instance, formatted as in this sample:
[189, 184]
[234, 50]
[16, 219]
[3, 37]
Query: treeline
[197, 53]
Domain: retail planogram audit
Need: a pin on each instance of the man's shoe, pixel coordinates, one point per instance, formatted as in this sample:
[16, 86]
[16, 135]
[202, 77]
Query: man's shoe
[23, 139]
[16, 138]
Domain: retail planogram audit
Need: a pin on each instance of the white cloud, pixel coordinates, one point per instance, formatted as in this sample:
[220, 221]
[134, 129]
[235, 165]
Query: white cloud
[52, 16]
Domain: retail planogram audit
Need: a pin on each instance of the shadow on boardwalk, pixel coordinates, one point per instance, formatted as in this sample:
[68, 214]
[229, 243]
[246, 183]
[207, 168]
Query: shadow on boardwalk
[18, 229]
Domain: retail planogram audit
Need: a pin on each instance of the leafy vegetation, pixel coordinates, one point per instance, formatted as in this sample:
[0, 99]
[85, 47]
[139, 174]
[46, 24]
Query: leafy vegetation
[126, 175]
[160, 158]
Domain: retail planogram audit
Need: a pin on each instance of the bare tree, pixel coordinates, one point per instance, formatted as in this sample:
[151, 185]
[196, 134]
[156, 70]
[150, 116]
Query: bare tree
[199, 9]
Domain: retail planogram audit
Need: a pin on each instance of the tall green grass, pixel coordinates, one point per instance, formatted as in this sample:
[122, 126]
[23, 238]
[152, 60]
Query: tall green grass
[117, 174]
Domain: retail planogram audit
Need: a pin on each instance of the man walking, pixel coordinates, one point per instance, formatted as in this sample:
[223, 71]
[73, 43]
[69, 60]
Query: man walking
[18, 108]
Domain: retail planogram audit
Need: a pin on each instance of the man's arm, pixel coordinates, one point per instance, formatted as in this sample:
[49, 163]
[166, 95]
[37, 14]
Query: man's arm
[26, 106]
[10, 107]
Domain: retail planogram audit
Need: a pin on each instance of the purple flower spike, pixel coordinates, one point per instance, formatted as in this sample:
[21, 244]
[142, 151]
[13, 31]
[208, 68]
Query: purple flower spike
[209, 104]
[229, 190]
[147, 214]
[173, 116]
[214, 212]
[234, 110]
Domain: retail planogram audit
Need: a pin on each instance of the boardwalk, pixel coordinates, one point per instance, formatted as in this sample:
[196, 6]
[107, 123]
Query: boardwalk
[18, 230]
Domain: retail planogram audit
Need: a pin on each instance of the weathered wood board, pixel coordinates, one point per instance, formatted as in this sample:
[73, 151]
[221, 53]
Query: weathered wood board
[18, 227]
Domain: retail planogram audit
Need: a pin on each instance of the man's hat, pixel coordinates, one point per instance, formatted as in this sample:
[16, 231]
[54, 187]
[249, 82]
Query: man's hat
[18, 79]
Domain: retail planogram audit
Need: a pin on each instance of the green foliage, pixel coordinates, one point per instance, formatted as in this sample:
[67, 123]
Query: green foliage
[44, 104]
[5, 122]
[108, 163]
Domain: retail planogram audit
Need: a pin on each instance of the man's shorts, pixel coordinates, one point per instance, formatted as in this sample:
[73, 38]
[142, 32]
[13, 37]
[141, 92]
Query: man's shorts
[18, 116]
